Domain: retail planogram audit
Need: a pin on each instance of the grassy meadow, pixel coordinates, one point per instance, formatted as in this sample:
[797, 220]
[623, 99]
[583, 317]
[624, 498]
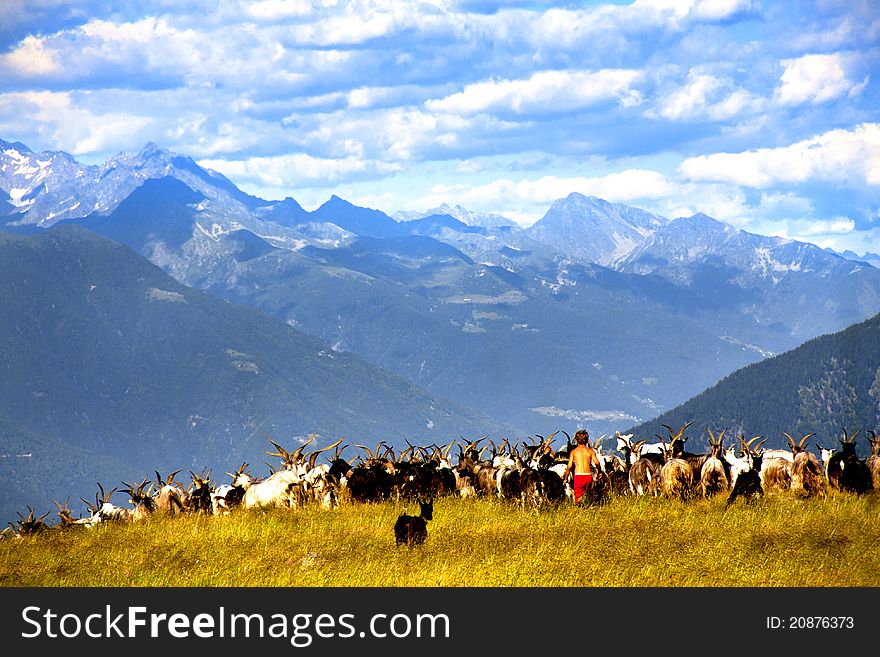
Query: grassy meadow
[776, 541]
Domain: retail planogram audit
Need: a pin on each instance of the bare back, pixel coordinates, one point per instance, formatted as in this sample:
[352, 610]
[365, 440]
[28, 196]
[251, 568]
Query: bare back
[580, 459]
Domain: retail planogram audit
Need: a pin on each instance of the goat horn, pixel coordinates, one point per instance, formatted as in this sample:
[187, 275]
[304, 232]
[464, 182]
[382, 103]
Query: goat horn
[319, 451]
[282, 453]
[804, 439]
[366, 449]
[298, 451]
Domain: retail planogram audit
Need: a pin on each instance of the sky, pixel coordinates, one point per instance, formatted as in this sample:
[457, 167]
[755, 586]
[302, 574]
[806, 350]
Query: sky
[762, 114]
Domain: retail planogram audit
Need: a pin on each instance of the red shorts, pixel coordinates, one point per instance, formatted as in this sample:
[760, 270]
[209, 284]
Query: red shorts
[581, 483]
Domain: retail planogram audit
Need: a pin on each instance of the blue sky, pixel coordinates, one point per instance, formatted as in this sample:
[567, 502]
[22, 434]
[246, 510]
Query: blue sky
[763, 114]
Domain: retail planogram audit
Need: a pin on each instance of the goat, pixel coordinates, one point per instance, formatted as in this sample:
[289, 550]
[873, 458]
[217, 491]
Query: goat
[29, 525]
[104, 511]
[874, 460]
[778, 454]
[831, 462]
[280, 489]
[67, 521]
[228, 496]
[807, 476]
[413, 530]
[676, 475]
[644, 473]
[737, 463]
[372, 480]
[320, 488]
[713, 474]
[775, 472]
[198, 499]
[142, 501]
[647, 448]
[748, 483]
[855, 475]
[169, 495]
[473, 471]
[676, 444]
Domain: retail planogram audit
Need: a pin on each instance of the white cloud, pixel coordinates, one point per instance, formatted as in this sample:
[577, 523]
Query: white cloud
[273, 10]
[704, 96]
[31, 57]
[290, 171]
[784, 204]
[543, 92]
[76, 129]
[360, 21]
[849, 157]
[816, 79]
[834, 226]
[566, 26]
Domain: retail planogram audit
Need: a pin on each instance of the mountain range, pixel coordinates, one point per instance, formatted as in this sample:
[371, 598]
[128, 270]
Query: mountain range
[599, 313]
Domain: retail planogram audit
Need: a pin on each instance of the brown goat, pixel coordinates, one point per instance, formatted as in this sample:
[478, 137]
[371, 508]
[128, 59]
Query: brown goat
[713, 475]
[169, 498]
[874, 460]
[676, 475]
[776, 474]
[807, 474]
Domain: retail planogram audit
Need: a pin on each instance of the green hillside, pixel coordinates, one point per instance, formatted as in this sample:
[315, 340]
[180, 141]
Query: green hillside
[826, 384]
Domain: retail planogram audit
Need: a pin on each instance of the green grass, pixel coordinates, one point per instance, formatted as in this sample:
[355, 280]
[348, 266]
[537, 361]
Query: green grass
[776, 541]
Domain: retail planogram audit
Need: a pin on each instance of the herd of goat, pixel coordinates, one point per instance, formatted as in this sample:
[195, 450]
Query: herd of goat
[529, 474]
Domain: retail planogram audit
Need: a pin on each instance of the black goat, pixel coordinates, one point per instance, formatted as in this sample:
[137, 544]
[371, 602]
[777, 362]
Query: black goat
[413, 530]
[855, 475]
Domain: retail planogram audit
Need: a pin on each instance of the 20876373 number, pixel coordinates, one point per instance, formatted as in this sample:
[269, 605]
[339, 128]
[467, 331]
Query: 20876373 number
[810, 623]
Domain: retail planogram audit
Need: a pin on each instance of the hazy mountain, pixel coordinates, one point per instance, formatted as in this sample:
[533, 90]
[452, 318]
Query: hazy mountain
[465, 216]
[522, 324]
[872, 259]
[825, 385]
[593, 230]
[775, 281]
[109, 360]
[359, 221]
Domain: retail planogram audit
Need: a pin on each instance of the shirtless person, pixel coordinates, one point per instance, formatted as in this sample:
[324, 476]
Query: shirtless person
[580, 459]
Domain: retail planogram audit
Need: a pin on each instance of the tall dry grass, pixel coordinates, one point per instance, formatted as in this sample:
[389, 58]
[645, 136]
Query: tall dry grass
[776, 541]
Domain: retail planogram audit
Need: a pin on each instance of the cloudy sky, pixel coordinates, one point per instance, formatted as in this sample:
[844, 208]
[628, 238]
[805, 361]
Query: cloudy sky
[764, 114]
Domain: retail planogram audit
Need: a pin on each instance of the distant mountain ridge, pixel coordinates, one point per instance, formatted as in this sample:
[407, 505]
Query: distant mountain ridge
[646, 311]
